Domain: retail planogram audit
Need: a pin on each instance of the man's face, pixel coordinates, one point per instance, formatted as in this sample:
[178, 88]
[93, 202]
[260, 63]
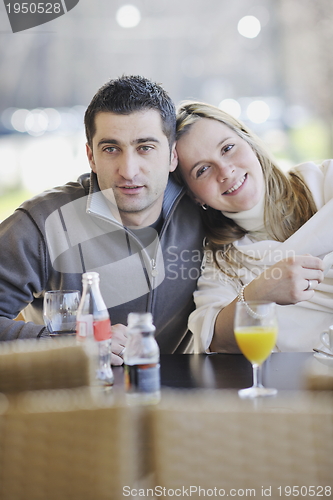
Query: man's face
[130, 154]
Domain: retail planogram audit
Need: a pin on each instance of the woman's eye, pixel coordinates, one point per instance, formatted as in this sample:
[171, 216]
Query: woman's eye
[227, 148]
[201, 171]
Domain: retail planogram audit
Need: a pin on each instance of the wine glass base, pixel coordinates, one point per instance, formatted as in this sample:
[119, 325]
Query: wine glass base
[256, 392]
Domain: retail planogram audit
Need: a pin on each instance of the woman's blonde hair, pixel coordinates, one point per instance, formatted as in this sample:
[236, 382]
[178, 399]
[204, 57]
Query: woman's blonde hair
[288, 201]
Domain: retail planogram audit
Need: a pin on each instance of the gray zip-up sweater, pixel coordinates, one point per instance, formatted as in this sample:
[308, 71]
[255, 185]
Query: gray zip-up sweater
[53, 238]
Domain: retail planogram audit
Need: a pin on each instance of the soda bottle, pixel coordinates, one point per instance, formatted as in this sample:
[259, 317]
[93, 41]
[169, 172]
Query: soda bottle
[142, 361]
[93, 327]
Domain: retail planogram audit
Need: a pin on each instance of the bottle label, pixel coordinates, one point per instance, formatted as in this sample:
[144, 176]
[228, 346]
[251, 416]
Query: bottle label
[102, 330]
[84, 327]
[142, 378]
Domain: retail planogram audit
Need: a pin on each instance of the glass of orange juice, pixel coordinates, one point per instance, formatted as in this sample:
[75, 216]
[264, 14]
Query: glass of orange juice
[256, 331]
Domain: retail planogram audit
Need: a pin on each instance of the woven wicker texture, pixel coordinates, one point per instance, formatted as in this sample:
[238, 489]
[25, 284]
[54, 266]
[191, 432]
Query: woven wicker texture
[43, 364]
[217, 440]
[67, 445]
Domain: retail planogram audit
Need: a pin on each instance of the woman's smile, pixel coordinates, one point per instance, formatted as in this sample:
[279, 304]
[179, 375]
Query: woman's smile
[236, 187]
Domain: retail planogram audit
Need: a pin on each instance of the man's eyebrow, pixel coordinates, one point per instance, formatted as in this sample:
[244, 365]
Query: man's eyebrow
[145, 139]
[108, 141]
[140, 140]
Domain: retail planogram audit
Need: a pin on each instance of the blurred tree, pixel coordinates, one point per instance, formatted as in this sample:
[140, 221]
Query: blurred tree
[307, 34]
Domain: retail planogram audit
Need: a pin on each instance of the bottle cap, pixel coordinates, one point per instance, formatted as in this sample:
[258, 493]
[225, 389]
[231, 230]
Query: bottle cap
[90, 277]
[139, 320]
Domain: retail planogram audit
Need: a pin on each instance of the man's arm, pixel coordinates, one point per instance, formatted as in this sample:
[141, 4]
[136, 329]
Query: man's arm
[11, 330]
[22, 274]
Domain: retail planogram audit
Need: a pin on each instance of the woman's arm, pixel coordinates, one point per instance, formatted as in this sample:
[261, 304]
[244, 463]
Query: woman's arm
[284, 283]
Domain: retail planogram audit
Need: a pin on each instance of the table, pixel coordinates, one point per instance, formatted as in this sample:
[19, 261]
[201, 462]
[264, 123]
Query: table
[204, 435]
[284, 371]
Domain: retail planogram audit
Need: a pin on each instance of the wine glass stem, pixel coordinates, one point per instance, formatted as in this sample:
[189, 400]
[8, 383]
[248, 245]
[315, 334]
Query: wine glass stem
[257, 375]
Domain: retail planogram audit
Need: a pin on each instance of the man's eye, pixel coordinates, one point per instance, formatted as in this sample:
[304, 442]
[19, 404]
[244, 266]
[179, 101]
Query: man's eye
[145, 148]
[201, 171]
[110, 149]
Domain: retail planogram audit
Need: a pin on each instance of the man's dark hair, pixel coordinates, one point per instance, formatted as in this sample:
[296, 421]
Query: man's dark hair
[128, 94]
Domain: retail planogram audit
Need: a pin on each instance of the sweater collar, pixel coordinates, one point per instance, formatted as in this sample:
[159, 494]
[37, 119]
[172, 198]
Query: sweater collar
[250, 220]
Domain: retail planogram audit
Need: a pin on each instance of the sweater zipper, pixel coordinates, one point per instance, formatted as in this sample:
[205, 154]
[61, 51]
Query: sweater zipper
[154, 271]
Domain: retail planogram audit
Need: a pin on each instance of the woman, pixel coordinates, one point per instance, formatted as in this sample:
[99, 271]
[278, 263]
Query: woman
[267, 231]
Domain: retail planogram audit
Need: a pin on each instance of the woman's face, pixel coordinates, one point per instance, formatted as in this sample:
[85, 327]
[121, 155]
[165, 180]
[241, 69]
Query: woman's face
[219, 167]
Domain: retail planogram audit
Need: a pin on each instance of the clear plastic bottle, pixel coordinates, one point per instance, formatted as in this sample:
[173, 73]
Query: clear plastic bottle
[142, 361]
[93, 327]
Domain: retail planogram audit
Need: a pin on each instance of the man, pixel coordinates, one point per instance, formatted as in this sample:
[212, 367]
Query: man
[127, 220]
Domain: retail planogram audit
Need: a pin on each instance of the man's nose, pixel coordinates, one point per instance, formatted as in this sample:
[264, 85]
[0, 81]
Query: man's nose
[128, 166]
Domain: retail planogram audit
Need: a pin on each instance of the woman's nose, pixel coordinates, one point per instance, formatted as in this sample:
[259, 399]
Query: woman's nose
[224, 171]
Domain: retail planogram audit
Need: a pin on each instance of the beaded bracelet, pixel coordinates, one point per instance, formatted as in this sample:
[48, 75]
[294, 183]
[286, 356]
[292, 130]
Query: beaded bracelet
[240, 295]
[241, 298]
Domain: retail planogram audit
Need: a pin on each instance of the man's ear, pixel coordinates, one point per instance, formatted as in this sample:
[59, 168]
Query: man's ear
[173, 159]
[90, 158]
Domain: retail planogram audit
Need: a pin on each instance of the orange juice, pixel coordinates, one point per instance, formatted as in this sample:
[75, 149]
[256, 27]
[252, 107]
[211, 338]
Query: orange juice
[256, 342]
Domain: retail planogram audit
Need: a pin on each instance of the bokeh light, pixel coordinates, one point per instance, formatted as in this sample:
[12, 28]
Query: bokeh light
[231, 106]
[128, 16]
[18, 119]
[36, 122]
[249, 27]
[258, 111]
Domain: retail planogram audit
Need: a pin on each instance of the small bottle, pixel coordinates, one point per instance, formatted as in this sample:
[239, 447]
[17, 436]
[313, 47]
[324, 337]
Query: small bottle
[93, 327]
[142, 361]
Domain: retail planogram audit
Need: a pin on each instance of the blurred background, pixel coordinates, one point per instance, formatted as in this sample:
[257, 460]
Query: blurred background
[269, 62]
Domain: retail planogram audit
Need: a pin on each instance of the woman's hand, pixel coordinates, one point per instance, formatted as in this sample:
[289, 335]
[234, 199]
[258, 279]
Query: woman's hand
[284, 283]
[119, 339]
[287, 281]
